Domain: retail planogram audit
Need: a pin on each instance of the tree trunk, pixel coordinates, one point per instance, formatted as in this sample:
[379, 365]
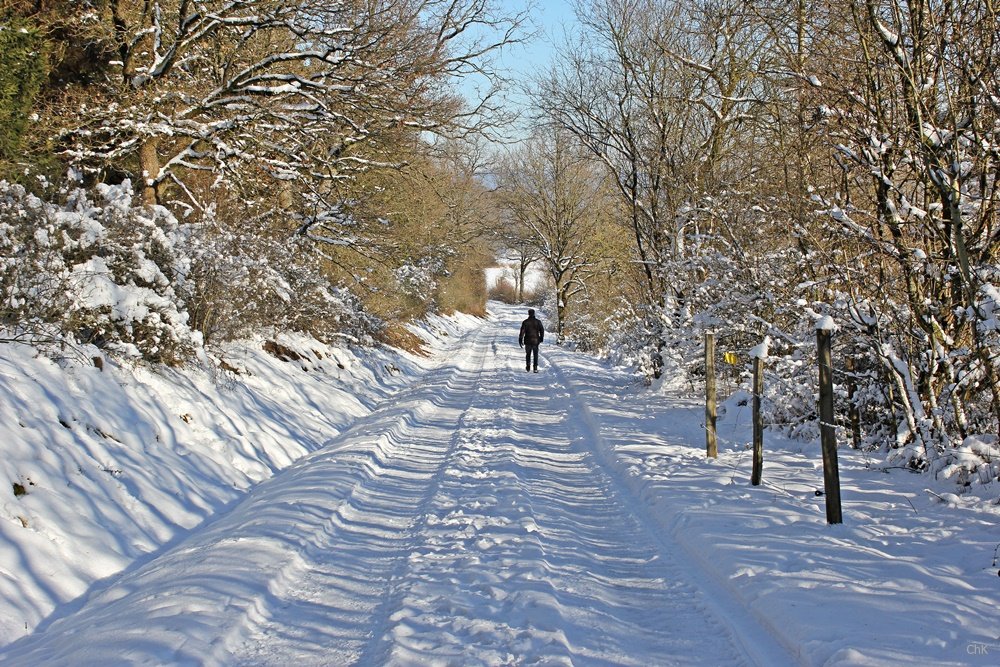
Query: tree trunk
[522, 271]
[560, 311]
[149, 163]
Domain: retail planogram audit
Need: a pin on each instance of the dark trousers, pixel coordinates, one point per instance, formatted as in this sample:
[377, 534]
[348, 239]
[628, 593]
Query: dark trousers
[529, 350]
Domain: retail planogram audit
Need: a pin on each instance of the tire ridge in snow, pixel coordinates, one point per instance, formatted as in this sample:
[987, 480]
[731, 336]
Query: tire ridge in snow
[375, 650]
[750, 628]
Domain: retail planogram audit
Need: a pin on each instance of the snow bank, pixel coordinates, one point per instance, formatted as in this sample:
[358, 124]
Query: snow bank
[909, 578]
[102, 467]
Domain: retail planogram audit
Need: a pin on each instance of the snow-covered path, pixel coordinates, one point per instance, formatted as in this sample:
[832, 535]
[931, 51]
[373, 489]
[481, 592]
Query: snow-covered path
[472, 520]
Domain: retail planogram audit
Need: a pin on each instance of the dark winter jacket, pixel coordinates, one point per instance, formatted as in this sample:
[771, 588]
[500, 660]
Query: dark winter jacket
[532, 331]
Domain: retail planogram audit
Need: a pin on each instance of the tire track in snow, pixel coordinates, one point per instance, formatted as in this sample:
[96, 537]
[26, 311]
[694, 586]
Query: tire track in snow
[250, 585]
[373, 652]
[757, 641]
[529, 555]
[469, 522]
[379, 519]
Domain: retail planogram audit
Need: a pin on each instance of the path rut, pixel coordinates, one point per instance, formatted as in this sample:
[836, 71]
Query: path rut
[469, 522]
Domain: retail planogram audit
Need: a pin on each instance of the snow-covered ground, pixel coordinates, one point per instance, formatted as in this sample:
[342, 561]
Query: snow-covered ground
[456, 510]
[117, 463]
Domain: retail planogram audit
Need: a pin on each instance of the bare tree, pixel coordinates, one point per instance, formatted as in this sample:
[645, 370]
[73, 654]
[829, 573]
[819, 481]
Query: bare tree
[516, 242]
[662, 93]
[194, 93]
[943, 58]
[552, 189]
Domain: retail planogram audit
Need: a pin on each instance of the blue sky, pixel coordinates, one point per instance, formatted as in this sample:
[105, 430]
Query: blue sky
[551, 19]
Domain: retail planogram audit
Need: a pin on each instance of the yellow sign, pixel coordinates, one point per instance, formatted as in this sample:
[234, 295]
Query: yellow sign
[731, 358]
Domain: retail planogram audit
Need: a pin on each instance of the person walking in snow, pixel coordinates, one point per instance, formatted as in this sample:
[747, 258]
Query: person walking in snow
[532, 334]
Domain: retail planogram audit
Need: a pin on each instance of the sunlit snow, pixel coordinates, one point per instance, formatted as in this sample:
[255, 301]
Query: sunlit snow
[372, 508]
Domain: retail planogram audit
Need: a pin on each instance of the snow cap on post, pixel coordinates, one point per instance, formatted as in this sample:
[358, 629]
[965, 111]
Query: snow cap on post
[826, 323]
[761, 351]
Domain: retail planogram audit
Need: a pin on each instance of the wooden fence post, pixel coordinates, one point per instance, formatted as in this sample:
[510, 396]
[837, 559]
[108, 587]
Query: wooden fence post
[758, 422]
[711, 441]
[827, 427]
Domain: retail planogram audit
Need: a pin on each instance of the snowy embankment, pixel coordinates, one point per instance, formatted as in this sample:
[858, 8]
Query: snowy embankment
[479, 516]
[101, 468]
[909, 578]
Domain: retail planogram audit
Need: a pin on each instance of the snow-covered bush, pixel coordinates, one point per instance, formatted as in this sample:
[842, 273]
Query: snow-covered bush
[95, 270]
[888, 393]
[633, 336]
[100, 269]
[417, 281]
[249, 281]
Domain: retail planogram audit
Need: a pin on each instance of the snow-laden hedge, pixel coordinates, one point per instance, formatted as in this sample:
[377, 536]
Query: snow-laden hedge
[247, 282]
[913, 399]
[95, 269]
[98, 268]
